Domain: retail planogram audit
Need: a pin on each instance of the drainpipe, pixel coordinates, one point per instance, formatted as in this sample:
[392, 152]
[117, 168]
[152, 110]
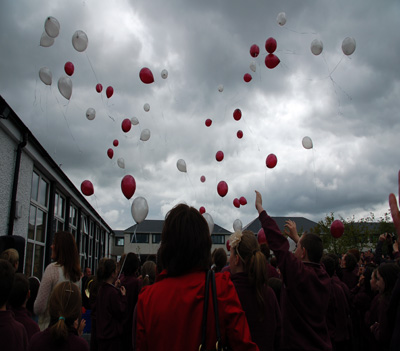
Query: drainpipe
[11, 218]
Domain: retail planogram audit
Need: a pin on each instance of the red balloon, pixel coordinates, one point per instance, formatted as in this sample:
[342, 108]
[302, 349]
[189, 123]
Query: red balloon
[237, 114]
[128, 186]
[243, 201]
[202, 210]
[254, 50]
[87, 188]
[110, 153]
[236, 203]
[219, 156]
[126, 125]
[202, 179]
[270, 45]
[109, 91]
[222, 188]
[115, 142]
[247, 77]
[228, 245]
[271, 161]
[337, 228]
[69, 68]
[261, 236]
[146, 76]
[208, 122]
[271, 61]
[99, 88]
[239, 134]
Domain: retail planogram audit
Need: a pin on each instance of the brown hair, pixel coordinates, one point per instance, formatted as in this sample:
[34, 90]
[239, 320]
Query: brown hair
[66, 255]
[219, 258]
[65, 305]
[255, 265]
[185, 241]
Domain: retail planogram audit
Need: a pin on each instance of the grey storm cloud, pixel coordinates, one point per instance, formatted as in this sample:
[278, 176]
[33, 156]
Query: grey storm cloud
[348, 105]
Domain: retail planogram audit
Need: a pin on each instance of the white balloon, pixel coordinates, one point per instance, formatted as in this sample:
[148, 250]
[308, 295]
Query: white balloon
[348, 46]
[134, 121]
[139, 209]
[80, 41]
[52, 27]
[281, 19]
[145, 135]
[253, 66]
[146, 107]
[220, 88]
[45, 75]
[292, 244]
[46, 41]
[90, 113]
[307, 143]
[316, 47]
[121, 163]
[181, 164]
[164, 74]
[65, 87]
[210, 222]
[237, 225]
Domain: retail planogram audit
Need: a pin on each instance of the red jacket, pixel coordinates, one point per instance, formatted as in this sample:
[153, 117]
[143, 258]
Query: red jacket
[169, 314]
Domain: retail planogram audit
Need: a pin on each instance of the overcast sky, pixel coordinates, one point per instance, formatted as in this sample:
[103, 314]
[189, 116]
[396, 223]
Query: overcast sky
[348, 105]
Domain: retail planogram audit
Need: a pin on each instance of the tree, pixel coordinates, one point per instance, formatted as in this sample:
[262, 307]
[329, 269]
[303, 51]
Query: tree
[362, 234]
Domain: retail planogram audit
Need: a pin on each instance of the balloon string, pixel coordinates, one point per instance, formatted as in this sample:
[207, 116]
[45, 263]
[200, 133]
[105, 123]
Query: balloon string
[66, 120]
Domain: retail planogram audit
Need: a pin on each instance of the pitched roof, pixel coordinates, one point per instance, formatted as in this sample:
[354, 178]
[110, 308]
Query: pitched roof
[155, 226]
[302, 224]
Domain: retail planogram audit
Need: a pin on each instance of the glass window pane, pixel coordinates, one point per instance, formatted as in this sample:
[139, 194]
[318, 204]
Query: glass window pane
[61, 207]
[28, 259]
[31, 224]
[40, 225]
[38, 265]
[140, 238]
[56, 203]
[34, 186]
[156, 238]
[43, 190]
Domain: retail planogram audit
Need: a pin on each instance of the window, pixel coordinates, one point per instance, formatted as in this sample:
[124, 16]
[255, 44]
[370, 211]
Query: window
[140, 238]
[73, 221]
[84, 241]
[218, 239]
[37, 226]
[156, 238]
[119, 241]
[59, 212]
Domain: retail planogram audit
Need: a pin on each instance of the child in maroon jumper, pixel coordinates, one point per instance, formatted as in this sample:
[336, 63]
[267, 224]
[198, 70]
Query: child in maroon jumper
[18, 298]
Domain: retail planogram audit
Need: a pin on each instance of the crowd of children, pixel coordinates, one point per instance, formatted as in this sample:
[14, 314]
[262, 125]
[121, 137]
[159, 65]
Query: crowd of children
[301, 300]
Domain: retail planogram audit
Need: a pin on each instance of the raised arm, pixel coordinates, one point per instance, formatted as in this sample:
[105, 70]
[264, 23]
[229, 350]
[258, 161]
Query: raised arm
[291, 230]
[394, 210]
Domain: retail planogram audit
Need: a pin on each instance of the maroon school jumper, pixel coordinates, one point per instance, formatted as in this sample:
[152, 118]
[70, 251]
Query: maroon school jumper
[23, 316]
[13, 335]
[110, 313]
[266, 333]
[132, 286]
[304, 296]
[43, 341]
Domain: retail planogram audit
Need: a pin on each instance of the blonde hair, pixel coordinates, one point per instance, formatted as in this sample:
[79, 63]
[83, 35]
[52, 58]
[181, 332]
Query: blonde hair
[65, 305]
[148, 272]
[10, 255]
[255, 266]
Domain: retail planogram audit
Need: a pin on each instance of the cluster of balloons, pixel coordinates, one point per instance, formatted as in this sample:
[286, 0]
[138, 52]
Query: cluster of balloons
[79, 42]
[237, 202]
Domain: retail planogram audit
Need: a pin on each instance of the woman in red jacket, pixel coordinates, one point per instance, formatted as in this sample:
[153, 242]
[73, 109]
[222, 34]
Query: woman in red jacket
[169, 312]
